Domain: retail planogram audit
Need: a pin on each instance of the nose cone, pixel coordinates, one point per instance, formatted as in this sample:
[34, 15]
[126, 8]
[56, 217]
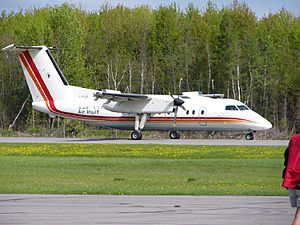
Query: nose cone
[266, 125]
[262, 123]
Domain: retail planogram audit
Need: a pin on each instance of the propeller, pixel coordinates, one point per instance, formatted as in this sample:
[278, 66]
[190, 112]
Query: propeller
[97, 95]
[177, 103]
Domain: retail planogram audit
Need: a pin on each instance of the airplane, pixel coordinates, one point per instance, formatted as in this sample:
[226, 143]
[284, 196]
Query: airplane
[191, 111]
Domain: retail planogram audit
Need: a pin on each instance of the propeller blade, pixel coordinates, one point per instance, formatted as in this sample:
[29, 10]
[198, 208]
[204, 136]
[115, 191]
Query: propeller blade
[175, 115]
[177, 102]
[97, 95]
[181, 106]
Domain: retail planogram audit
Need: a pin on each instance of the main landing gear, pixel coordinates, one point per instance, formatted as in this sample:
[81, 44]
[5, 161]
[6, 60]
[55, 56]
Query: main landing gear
[136, 135]
[249, 136]
[174, 134]
[139, 124]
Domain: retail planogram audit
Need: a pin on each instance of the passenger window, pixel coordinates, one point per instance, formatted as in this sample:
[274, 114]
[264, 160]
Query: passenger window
[193, 112]
[231, 107]
[242, 107]
[202, 112]
[187, 112]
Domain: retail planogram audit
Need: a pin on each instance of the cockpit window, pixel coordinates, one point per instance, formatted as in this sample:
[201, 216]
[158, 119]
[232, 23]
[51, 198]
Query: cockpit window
[242, 107]
[231, 107]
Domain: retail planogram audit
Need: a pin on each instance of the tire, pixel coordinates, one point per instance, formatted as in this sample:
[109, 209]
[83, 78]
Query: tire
[136, 135]
[249, 136]
[174, 134]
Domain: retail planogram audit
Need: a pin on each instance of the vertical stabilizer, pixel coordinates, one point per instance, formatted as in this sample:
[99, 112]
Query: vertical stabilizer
[45, 80]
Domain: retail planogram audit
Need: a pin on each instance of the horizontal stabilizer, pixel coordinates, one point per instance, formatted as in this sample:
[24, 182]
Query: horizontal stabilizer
[13, 47]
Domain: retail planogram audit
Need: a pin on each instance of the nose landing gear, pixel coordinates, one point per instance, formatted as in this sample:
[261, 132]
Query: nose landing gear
[174, 134]
[249, 136]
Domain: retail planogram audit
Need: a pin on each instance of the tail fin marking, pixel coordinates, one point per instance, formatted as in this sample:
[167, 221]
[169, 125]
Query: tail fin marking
[38, 75]
[34, 85]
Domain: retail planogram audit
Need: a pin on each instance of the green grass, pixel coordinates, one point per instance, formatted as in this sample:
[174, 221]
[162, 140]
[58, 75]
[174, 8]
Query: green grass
[140, 169]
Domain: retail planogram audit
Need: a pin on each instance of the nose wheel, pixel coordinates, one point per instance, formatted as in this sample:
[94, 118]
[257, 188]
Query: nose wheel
[249, 136]
[174, 134]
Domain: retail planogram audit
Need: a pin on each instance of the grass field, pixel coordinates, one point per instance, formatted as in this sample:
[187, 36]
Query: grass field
[140, 169]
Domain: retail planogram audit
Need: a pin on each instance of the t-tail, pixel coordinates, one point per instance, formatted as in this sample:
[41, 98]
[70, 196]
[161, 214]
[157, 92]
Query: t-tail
[45, 80]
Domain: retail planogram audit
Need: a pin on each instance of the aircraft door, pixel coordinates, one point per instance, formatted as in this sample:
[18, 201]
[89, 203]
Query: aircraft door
[202, 116]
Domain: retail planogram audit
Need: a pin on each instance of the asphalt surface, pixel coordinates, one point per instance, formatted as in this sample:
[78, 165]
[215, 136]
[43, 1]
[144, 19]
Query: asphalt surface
[206, 210]
[147, 141]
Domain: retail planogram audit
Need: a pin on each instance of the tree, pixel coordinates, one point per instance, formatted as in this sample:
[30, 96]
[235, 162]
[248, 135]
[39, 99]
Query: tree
[166, 47]
[143, 50]
[66, 20]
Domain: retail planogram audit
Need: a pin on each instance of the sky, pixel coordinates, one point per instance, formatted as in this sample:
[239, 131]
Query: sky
[260, 7]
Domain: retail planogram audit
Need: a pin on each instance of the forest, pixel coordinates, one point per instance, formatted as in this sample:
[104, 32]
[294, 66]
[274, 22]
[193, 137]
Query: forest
[148, 50]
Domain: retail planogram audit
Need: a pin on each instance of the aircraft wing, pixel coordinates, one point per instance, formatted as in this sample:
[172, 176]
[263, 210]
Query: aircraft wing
[135, 103]
[117, 96]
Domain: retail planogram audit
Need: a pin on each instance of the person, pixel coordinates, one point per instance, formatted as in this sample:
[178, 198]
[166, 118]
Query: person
[291, 174]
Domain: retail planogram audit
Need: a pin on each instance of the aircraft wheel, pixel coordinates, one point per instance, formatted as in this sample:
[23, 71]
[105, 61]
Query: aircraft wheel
[249, 136]
[174, 134]
[136, 135]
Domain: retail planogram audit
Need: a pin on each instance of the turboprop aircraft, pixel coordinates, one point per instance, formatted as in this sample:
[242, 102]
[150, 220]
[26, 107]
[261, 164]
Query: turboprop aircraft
[191, 111]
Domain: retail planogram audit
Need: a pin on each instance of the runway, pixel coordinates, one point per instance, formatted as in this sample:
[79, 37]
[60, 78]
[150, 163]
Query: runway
[205, 210]
[237, 142]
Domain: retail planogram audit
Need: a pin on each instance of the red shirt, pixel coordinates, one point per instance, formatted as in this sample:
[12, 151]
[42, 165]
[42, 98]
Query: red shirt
[292, 174]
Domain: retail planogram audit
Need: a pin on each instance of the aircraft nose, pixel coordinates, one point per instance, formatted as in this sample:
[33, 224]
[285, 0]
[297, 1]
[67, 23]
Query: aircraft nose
[266, 125]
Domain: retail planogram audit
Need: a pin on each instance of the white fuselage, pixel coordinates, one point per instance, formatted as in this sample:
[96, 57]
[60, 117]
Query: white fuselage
[202, 113]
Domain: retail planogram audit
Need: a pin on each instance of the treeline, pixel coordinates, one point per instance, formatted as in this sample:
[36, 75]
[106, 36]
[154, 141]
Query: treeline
[146, 50]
